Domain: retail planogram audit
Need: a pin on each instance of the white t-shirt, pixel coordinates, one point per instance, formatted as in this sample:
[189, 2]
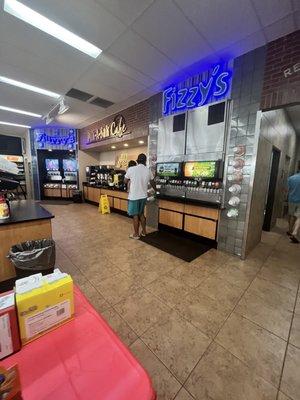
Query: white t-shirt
[139, 177]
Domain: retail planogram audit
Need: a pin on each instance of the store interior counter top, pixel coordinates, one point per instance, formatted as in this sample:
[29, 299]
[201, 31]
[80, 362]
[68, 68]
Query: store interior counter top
[25, 210]
[28, 221]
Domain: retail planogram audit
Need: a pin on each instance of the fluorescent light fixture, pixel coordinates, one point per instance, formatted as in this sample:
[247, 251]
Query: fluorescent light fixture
[12, 124]
[37, 20]
[113, 147]
[26, 86]
[126, 144]
[17, 111]
[141, 142]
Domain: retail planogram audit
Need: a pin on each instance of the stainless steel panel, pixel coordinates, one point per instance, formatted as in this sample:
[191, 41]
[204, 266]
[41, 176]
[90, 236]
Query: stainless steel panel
[170, 145]
[203, 138]
[203, 196]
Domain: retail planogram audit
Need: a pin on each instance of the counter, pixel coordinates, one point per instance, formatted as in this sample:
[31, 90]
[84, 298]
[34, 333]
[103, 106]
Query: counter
[196, 217]
[28, 221]
[193, 217]
[117, 198]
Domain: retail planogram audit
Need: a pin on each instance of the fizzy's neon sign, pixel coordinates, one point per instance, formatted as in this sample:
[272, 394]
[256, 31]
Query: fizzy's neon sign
[57, 140]
[216, 87]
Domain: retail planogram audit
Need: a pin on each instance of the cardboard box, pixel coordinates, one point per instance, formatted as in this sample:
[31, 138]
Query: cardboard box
[10, 387]
[46, 307]
[9, 331]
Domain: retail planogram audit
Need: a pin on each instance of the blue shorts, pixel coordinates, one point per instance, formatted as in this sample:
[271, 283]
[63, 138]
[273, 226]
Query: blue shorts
[136, 207]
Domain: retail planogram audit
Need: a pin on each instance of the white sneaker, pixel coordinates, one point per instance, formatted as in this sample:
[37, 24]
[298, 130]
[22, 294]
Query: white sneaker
[132, 236]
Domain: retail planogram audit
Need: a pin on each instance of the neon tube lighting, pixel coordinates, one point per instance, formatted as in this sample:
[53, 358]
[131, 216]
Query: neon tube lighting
[17, 111]
[26, 86]
[37, 20]
[13, 124]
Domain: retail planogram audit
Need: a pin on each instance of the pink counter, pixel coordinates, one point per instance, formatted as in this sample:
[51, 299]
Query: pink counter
[81, 360]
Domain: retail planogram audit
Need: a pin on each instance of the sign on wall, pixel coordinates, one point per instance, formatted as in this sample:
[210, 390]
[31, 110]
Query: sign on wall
[55, 138]
[205, 88]
[117, 128]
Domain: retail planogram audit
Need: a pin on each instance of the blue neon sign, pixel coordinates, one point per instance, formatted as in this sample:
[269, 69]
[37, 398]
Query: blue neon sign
[214, 88]
[56, 140]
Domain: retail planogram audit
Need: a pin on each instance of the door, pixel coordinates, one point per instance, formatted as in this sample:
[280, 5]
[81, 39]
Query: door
[272, 189]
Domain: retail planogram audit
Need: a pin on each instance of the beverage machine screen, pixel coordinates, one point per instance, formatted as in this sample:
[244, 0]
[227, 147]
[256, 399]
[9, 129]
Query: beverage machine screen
[200, 169]
[169, 179]
[51, 164]
[202, 180]
[171, 170]
[70, 165]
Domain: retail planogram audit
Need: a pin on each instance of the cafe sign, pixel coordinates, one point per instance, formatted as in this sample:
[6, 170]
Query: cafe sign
[115, 129]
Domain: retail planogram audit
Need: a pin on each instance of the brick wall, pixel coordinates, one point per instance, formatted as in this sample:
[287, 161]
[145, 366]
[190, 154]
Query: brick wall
[137, 122]
[282, 72]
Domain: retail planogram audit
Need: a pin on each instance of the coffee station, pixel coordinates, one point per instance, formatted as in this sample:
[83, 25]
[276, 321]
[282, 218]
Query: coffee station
[106, 180]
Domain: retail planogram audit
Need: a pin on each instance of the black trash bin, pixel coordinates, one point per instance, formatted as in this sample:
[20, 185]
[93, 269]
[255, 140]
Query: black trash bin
[33, 257]
[77, 196]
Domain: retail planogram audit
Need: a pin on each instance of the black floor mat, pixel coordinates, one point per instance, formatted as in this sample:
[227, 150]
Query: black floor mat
[56, 202]
[185, 248]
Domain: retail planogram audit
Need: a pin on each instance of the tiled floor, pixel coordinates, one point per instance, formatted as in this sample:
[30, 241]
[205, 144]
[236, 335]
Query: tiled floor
[215, 329]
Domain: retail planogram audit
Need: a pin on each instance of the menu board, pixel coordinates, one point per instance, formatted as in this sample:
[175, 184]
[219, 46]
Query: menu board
[200, 169]
[69, 165]
[51, 164]
[172, 170]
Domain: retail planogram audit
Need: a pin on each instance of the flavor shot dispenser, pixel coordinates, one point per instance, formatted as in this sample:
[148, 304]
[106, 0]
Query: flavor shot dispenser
[203, 180]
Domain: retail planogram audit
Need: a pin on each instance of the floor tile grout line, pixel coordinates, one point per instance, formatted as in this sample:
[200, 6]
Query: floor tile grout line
[215, 336]
[262, 327]
[288, 341]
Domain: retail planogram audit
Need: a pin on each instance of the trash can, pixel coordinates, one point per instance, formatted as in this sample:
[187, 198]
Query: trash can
[77, 196]
[33, 257]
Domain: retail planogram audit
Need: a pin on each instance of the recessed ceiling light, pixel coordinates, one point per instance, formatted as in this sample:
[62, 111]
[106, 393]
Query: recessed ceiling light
[12, 124]
[126, 144]
[17, 111]
[113, 147]
[37, 20]
[26, 86]
[141, 142]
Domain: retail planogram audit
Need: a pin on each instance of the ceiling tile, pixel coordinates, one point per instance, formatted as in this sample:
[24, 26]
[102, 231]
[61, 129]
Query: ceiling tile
[243, 46]
[23, 38]
[160, 26]
[87, 19]
[113, 62]
[103, 75]
[14, 97]
[127, 11]
[221, 22]
[280, 28]
[35, 69]
[136, 52]
[270, 11]
[12, 130]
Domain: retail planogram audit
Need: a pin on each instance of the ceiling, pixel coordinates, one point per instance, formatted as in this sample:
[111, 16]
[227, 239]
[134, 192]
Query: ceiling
[145, 43]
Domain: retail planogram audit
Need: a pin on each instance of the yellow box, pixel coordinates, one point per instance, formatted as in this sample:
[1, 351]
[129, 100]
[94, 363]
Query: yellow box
[45, 308]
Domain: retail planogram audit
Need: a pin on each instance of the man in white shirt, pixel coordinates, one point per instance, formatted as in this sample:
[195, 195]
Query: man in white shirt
[139, 178]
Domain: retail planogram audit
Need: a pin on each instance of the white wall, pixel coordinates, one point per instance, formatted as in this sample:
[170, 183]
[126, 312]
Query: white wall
[275, 130]
[86, 158]
[109, 157]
